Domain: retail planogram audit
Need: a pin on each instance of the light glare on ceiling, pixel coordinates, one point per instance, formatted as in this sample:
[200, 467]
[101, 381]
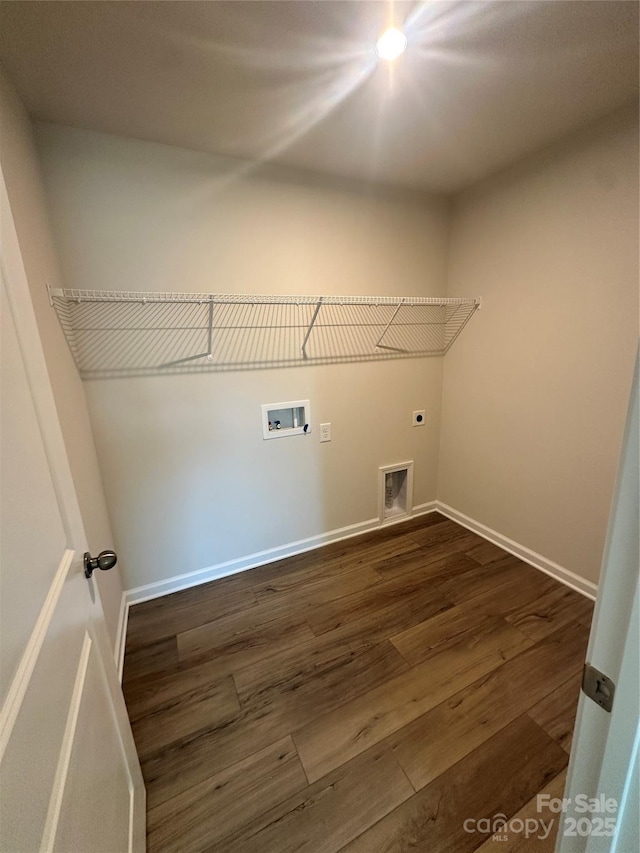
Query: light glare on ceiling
[391, 43]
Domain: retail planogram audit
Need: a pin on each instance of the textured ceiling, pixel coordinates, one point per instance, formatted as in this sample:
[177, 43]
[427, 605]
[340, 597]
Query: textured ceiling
[481, 84]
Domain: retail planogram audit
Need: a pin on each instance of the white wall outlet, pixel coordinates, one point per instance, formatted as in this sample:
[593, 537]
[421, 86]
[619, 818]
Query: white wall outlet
[325, 432]
[419, 418]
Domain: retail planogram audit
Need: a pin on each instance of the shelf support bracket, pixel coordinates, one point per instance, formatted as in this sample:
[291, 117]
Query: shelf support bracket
[313, 320]
[210, 333]
[388, 326]
[209, 353]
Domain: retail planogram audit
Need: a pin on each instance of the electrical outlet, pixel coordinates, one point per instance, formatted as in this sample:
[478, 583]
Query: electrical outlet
[325, 432]
[419, 418]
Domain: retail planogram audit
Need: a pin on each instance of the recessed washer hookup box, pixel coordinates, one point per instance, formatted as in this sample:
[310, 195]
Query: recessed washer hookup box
[285, 419]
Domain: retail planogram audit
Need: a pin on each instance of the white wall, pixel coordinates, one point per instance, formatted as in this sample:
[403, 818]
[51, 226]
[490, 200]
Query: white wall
[190, 481]
[536, 389]
[26, 196]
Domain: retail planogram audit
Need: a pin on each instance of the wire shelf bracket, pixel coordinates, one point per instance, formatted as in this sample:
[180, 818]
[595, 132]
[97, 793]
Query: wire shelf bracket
[120, 333]
[303, 348]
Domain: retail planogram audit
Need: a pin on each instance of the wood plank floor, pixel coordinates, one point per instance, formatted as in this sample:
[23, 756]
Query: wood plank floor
[368, 696]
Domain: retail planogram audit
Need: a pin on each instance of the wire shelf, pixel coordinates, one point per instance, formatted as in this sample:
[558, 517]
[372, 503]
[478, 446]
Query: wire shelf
[115, 333]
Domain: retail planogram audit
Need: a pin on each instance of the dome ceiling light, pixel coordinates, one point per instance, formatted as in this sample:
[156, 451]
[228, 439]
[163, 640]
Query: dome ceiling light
[391, 44]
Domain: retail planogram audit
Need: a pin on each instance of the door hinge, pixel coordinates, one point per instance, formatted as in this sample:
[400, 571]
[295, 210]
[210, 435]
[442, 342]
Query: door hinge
[598, 687]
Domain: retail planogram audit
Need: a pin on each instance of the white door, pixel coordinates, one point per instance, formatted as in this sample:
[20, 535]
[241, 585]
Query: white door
[70, 779]
[602, 784]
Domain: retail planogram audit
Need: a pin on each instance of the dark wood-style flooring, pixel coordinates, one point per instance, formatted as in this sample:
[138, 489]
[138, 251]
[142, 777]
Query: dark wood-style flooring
[368, 696]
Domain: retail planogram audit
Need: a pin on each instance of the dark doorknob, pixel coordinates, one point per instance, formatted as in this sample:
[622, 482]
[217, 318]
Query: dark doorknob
[104, 561]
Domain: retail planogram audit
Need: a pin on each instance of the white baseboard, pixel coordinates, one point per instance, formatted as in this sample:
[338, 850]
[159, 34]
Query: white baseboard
[259, 558]
[423, 509]
[534, 559]
[121, 635]
[241, 564]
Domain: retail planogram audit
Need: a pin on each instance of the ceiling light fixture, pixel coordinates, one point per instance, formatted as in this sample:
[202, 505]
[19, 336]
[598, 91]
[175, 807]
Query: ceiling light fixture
[391, 44]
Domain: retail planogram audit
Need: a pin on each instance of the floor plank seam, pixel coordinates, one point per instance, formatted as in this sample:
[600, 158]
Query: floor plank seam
[362, 638]
[292, 735]
[404, 772]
